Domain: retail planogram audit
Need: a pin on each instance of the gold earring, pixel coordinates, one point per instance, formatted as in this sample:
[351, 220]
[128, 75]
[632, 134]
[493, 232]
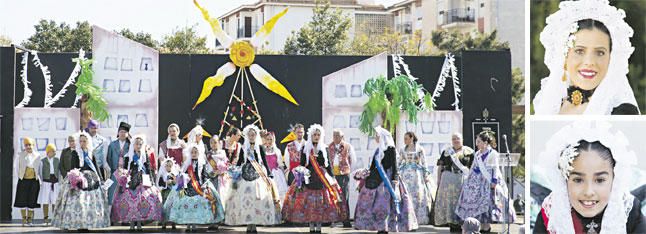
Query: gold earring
[564, 72]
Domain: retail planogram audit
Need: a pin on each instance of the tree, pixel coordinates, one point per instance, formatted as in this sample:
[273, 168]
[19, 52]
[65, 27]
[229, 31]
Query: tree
[141, 37]
[53, 37]
[326, 34]
[5, 40]
[453, 41]
[184, 41]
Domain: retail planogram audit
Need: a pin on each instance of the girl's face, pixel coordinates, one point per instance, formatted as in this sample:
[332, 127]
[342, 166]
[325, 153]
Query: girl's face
[590, 183]
[235, 137]
[214, 143]
[456, 141]
[587, 62]
[168, 166]
[194, 153]
[407, 139]
[266, 140]
[482, 145]
[316, 136]
[138, 144]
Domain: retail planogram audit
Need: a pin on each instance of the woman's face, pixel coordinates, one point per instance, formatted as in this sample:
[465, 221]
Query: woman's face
[590, 183]
[251, 135]
[587, 62]
[71, 142]
[456, 141]
[407, 139]
[316, 136]
[482, 145]
[198, 138]
[138, 144]
[83, 141]
[172, 133]
[194, 153]
[214, 143]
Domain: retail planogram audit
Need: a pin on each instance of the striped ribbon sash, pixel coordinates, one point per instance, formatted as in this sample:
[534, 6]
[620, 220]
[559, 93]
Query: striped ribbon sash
[334, 196]
[199, 191]
[270, 187]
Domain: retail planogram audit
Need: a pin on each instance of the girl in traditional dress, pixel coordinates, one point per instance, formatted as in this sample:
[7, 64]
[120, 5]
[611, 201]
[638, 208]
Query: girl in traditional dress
[255, 201]
[166, 181]
[50, 174]
[275, 161]
[136, 200]
[195, 137]
[384, 204]
[82, 202]
[231, 145]
[197, 202]
[25, 166]
[217, 165]
[454, 164]
[321, 200]
[416, 177]
[590, 165]
[173, 146]
[484, 193]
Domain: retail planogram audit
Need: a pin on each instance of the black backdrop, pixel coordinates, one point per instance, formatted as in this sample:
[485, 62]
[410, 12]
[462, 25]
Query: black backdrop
[181, 77]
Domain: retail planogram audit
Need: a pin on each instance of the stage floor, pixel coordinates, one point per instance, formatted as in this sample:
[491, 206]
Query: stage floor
[16, 227]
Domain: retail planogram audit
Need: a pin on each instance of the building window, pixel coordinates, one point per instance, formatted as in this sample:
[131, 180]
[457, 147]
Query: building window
[247, 26]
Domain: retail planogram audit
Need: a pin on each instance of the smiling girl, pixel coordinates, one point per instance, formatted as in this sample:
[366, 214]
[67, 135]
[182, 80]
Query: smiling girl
[590, 194]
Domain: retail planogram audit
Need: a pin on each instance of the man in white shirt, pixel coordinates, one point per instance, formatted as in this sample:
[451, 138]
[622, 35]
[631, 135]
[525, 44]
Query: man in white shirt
[342, 155]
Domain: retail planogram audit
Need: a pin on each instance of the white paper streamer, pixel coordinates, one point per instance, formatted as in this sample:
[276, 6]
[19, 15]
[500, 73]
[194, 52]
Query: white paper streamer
[71, 80]
[26, 97]
[46, 76]
[448, 70]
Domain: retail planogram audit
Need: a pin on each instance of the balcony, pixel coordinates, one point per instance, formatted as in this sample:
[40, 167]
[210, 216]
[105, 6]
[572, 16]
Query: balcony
[456, 17]
[405, 28]
[247, 32]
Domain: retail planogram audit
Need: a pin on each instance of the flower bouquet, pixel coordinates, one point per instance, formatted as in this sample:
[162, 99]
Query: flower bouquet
[77, 180]
[361, 175]
[301, 177]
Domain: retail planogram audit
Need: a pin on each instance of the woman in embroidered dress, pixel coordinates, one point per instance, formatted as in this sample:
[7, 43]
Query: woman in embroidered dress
[321, 200]
[83, 205]
[590, 164]
[484, 193]
[173, 146]
[136, 200]
[454, 164]
[255, 201]
[384, 204]
[416, 177]
[197, 201]
[587, 46]
[275, 162]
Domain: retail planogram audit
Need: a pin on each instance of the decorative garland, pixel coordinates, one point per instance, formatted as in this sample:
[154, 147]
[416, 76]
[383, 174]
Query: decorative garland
[26, 97]
[448, 70]
[71, 80]
[46, 76]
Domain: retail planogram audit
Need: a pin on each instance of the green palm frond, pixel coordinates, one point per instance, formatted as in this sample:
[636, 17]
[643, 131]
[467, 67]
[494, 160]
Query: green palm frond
[85, 86]
[387, 98]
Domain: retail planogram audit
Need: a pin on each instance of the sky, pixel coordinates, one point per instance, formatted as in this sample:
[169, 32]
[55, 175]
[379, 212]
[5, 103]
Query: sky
[157, 17]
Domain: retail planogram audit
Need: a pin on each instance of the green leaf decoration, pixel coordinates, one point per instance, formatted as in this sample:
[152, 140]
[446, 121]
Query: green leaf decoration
[84, 86]
[387, 98]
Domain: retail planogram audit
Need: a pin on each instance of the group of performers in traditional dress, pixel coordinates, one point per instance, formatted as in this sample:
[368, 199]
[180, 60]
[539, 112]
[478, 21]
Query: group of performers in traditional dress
[96, 183]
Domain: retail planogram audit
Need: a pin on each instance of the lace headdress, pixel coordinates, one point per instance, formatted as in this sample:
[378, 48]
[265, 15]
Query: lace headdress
[557, 38]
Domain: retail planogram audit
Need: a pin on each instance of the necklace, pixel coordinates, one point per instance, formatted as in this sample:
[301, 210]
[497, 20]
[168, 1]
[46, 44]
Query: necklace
[578, 96]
